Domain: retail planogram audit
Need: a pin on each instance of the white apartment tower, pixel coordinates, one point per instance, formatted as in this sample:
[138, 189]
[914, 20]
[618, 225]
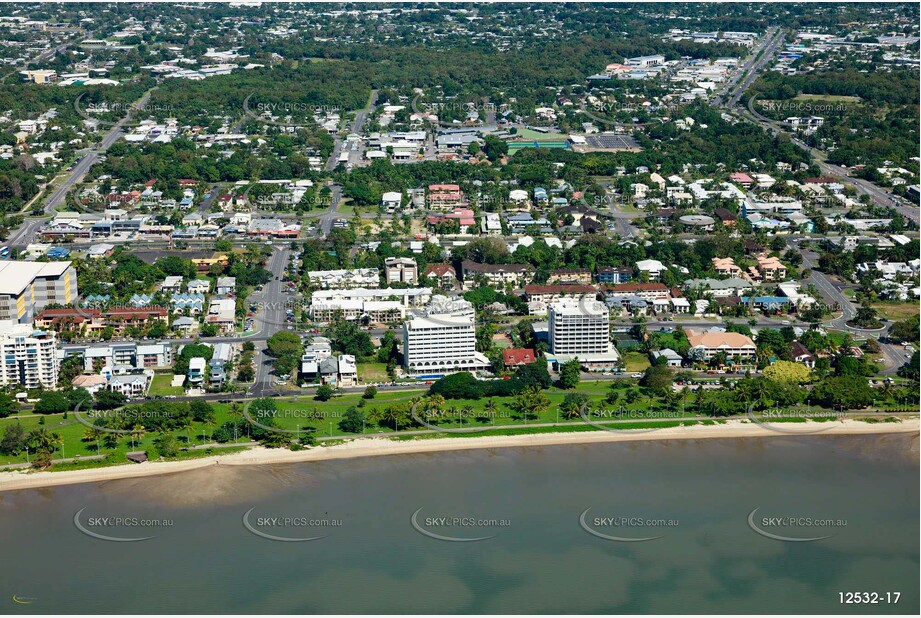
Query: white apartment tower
[441, 344]
[27, 356]
[579, 328]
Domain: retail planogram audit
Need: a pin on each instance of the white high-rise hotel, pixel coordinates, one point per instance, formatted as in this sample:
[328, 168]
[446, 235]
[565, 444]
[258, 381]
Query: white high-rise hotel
[27, 356]
[580, 329]
[441, 344]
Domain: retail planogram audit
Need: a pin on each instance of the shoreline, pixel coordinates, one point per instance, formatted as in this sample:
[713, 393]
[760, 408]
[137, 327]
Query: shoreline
[377, 447]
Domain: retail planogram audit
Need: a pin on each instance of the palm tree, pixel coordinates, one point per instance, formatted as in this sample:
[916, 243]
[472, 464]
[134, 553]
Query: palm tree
[43, 441]
[137, 434]
[93, 434]
[886, 391]
[392, 415]
[570, 409]
[434, 402]
[188, 426]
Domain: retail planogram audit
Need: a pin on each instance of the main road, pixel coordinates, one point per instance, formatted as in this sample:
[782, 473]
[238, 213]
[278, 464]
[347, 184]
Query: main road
[24, 234]
[748, 72]
[270, 319]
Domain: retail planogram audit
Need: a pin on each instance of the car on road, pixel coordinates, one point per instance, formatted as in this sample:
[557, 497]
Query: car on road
[636, 375]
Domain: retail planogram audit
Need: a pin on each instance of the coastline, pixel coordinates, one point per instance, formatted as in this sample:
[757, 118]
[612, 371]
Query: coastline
[375, 447]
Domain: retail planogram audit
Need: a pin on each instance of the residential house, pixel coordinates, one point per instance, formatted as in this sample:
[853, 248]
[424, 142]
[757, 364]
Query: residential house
[672, 358]
[652, 268]
[515, 357]
[226, 286]
[198, 286]
[801, 354]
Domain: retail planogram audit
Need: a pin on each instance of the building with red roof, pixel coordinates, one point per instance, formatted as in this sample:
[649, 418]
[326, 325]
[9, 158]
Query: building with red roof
[515, 357]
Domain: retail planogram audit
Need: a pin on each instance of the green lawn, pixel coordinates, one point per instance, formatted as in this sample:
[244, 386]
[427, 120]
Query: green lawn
[537, 136]
[305, 414]
[160, 385]
[345, 208]
[636, 361]
[372, 372]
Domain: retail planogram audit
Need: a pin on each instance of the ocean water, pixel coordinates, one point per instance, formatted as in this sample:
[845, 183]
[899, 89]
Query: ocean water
[541, 515]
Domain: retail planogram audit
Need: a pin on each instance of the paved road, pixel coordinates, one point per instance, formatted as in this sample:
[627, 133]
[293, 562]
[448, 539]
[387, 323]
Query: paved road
[878, 195]
[834, 296]
[48, 53]
[325, 220]
[361, 116]
[269, 320]
[772, 39]
[24, 235]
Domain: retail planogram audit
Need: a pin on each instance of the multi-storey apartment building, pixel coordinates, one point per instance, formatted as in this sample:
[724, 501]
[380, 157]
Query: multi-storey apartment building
[581, 329]
[495, 274]
[401, 270]
[344, 279]
[646, 291]
[441, 344]
[27, 287]
[27, 356]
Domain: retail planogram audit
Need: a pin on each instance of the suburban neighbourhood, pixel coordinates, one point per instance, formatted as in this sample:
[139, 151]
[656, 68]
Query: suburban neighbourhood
[660, 232]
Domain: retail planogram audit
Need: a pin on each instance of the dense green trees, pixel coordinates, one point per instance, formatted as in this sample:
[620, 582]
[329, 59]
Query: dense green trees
[353, 421]
[570, 374]
[906, 330]
[658, 379]
[52, 402]
[349, 338]
[286, 347]
[324, 392]
[8, 405]
[844, 392]
[14, 439]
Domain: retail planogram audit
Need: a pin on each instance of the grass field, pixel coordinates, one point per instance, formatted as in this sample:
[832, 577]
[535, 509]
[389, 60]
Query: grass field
[301, 412]
[345, 208]
[160, 385]
[372, 372]
[831, 98]
[636, 361]
[536, 136]
[897, 311]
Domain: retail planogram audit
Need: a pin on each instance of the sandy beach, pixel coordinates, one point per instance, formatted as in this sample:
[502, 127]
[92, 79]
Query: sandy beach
[374, 447]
